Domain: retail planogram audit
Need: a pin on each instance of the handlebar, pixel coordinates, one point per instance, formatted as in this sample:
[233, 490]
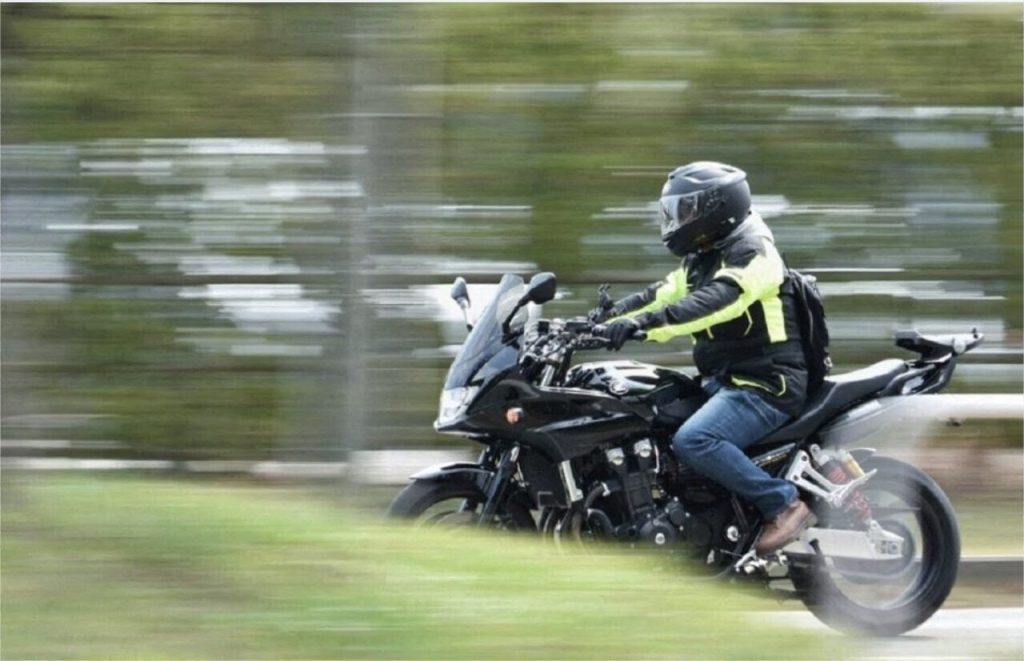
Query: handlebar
[585, 333]
[548, 345]
[639, 334]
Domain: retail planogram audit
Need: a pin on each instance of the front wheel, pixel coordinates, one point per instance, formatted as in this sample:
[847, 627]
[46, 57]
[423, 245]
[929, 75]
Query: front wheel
[456, 503]
[888, 597]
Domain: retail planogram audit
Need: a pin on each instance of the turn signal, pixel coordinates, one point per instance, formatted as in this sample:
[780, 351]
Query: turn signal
[514, 415]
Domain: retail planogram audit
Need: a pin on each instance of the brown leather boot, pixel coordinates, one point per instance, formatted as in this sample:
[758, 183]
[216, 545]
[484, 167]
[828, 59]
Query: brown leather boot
[786, 527]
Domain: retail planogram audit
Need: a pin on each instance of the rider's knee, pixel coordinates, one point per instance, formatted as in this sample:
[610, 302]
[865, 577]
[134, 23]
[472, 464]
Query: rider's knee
[689, 446]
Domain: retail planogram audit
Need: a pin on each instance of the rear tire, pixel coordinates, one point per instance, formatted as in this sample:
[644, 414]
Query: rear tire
[836, 600]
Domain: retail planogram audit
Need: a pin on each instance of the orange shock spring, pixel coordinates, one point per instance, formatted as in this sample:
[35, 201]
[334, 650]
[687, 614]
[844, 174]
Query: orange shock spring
[857, 503]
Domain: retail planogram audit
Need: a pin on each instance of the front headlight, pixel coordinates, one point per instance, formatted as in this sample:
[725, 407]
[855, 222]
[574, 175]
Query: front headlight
[454, 403]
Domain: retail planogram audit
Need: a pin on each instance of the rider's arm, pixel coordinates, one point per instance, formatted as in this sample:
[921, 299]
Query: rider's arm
[747, 275]
[658, 295]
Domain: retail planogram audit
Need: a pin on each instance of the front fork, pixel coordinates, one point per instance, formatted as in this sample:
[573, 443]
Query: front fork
[505, 468]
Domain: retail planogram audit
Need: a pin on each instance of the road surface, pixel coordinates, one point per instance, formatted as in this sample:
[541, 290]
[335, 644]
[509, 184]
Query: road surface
[952, 633]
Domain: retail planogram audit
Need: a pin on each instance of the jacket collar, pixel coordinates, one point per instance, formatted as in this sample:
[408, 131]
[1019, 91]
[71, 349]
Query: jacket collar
[754, 225]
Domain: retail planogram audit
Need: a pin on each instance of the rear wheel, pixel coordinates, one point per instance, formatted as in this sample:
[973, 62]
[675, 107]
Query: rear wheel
[456, 503]
[888, 597]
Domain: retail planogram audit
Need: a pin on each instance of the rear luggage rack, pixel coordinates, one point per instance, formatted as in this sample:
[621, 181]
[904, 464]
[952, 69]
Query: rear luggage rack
[937, 347]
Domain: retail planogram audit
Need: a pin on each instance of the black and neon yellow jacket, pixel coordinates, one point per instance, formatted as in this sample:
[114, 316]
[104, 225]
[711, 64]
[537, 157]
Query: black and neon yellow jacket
[735, 302]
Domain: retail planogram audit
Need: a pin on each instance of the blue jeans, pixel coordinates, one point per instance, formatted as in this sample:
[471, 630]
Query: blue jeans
[712, 442]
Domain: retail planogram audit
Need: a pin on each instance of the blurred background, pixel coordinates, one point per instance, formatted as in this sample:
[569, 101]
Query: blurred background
[228, 231]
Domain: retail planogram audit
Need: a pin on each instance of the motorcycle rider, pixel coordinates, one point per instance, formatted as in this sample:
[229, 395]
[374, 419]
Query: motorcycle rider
[730, 296]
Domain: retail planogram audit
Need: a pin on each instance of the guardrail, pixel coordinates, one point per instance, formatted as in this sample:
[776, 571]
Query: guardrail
[960, 407]
[381, 467]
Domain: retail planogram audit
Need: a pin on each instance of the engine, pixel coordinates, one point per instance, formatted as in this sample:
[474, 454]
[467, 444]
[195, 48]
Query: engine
[634, 485]
[640, 503]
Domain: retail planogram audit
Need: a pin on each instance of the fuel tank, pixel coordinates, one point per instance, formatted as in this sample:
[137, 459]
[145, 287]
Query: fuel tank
[622, 378]
[671, 395]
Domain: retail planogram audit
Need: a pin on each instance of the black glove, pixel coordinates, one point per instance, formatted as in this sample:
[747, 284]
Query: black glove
[619, 331]
[600, 315]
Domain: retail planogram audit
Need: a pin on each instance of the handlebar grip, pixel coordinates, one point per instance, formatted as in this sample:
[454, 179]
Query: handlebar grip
[600, 330]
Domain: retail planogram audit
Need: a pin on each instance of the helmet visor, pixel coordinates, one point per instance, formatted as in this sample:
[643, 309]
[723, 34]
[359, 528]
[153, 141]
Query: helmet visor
[678, 210]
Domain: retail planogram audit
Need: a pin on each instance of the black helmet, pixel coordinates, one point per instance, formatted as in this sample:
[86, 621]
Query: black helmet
[701, 203]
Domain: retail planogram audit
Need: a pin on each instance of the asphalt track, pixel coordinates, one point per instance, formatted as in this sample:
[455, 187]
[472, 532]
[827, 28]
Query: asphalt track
[952, 633]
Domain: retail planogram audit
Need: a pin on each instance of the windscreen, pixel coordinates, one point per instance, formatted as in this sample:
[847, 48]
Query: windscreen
[484, 342]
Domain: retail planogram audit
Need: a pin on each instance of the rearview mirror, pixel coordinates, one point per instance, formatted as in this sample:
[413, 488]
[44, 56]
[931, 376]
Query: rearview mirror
[460, 293]
[542, 288]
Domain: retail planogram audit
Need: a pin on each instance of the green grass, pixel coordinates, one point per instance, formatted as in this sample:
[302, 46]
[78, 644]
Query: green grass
[119, 568]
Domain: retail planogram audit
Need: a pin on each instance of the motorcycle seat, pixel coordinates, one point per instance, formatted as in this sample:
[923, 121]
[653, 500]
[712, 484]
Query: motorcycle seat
[836, 394]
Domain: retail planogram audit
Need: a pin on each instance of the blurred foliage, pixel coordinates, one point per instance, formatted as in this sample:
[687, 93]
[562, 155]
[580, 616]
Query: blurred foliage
[126, 568]
[568, 110]
[79, 72]
[903, 54]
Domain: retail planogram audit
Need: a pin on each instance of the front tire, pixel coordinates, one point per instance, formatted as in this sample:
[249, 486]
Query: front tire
[895, 600]
[456, 502]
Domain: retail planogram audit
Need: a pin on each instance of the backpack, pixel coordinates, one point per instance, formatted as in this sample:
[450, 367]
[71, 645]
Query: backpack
[810, 314]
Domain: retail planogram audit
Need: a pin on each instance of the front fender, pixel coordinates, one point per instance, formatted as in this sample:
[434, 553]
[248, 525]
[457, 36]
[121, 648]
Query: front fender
[459, 471]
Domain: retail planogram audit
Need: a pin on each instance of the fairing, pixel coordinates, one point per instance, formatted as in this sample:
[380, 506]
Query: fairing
[483, 354]
[602, 402]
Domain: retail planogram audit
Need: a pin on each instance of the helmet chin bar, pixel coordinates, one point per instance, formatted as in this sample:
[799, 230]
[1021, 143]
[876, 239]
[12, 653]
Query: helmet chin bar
[675, 246]
[680, 249]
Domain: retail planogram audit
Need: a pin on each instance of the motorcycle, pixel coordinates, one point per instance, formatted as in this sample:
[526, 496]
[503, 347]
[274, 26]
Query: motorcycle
[581, 453]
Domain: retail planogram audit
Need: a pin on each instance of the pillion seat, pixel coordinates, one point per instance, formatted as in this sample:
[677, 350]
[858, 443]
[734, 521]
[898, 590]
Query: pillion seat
[836, 394]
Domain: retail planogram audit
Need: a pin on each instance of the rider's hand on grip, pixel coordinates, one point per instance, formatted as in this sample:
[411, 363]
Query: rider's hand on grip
[621, 330]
